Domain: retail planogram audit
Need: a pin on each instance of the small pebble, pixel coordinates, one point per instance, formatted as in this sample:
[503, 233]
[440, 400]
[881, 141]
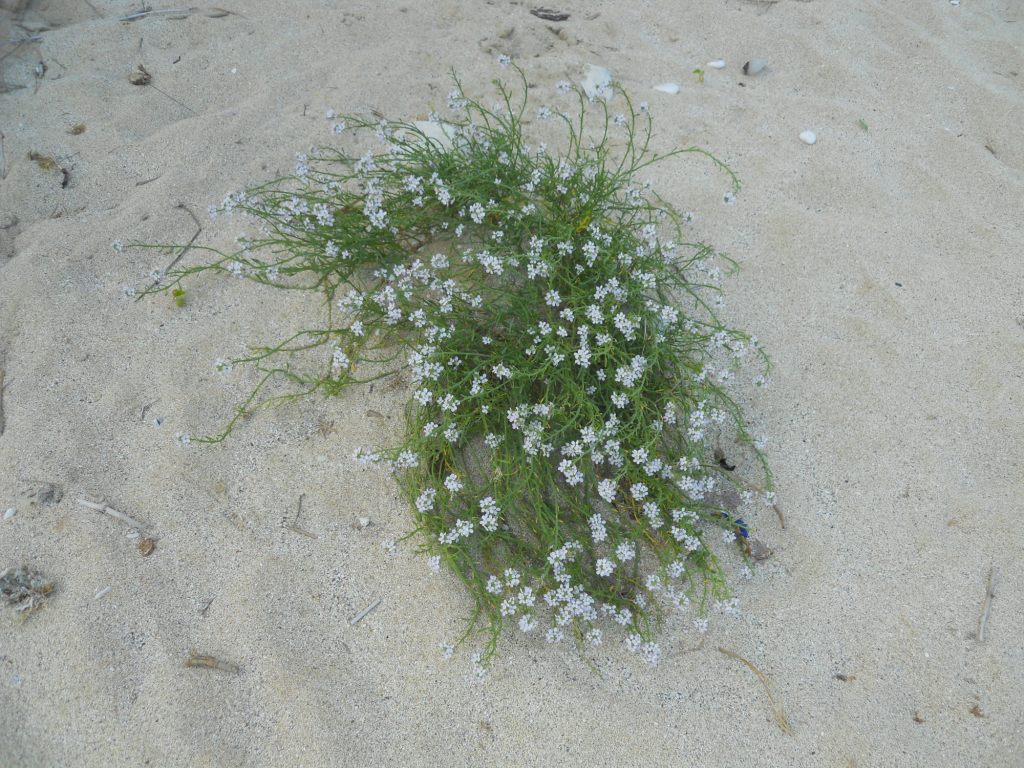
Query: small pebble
[729, 198]
[139, 76]
[717, 64]
[364, 522]
[667, 88]
[808, 137]
[597, 82]
[754, 66]
[10, 513]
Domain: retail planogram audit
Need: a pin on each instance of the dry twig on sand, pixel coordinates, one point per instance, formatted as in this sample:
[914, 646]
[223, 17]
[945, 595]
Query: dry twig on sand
[113, 513]
[986, 605]
[199, 229]
[364, 613]
[780, 715]
[202, 661]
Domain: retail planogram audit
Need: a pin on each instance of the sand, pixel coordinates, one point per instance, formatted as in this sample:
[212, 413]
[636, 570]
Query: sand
[881, 269]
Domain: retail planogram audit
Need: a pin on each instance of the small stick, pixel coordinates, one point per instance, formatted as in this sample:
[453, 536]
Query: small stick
[986, 606]
[199, 229]
[205, 608]
[202, 661]
[780, 716]
[364, 613]
[146, 181]
[176, 101]
[94, 9]
[113, 513]
[295, 523]
[151, 12]
[2, 422]
[778, 513]
[102, 593]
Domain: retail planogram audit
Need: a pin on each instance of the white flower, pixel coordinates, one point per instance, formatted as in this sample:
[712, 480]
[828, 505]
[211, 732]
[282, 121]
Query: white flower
[597, 528]
[625, 551]
[425, 501]
[504, 60]
[452, 483]
[651, 653]
[639, 491]
[489, 517]
[607, 489]
[573, 475]
[434, 563]
[604, 567]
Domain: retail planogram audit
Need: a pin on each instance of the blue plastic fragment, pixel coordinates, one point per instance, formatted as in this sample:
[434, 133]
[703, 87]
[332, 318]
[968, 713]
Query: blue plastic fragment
[739, 525]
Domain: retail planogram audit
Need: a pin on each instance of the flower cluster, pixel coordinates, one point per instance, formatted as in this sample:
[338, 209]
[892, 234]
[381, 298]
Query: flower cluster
[568, 368]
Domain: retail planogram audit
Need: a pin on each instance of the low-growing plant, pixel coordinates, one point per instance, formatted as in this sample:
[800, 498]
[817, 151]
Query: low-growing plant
[568, 363]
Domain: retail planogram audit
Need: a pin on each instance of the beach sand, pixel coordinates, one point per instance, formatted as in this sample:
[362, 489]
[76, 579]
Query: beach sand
[882, 270]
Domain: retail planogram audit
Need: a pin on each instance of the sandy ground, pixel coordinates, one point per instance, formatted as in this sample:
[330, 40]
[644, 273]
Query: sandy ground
[882, 270]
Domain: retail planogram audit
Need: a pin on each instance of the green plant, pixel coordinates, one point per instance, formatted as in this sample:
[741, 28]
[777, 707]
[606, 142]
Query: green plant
[569, 366]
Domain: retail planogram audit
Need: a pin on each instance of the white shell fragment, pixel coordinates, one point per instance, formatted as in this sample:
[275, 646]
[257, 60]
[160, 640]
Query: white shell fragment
[442, 133]
[808, 137]
[597, 81]
[754, 66]
[672, 88]
[11, 512]
[717, 64]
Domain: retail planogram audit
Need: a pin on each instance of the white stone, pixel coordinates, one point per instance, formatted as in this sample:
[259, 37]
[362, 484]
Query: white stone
[808, 137]
[10, 513]
[596, 81]
[717, 64]
[667, 88]
[754, 66]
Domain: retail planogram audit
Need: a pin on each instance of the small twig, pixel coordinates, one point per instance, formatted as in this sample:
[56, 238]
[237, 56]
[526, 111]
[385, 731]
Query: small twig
[202, 661]
[205, 608]
[199, 229]
[151, 12]
[780, 716]
[94, 9]
[102, 593]
[295, 523]
[364, 613]
[2, 421]
[986, 605]
[176, 101]
[113, 513]
[778, 514]
[146, 181]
